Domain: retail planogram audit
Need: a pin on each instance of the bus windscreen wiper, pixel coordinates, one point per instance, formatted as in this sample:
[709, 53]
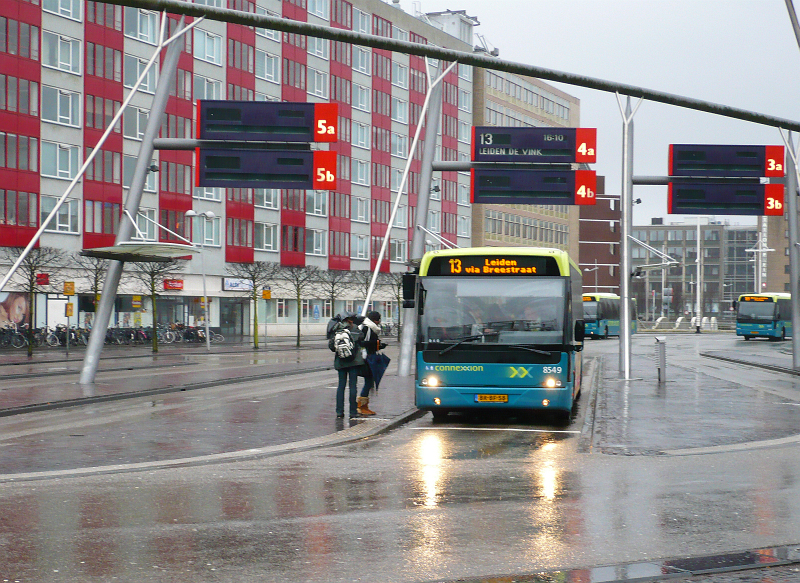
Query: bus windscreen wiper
[530, 349]
[467, 339]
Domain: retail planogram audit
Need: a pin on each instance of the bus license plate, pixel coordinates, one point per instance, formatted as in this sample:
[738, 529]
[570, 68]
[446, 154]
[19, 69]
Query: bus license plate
[491, 398]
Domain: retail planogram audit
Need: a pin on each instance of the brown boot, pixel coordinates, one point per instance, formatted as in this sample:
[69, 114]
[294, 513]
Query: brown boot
[363, 409]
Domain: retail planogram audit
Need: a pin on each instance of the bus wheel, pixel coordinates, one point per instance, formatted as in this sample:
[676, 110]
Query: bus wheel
[747, 337]
[605, 336]
[439, 414]
[783, 335]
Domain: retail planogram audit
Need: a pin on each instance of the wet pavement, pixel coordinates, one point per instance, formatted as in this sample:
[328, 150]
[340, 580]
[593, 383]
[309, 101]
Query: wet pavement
[708, 480]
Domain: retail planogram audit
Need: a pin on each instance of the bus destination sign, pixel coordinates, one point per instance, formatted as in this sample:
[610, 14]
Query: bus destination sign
[492, 265]
[756, 299]
[541, 145]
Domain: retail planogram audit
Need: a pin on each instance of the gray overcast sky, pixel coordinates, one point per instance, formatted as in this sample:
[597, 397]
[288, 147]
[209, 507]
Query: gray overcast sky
[741, 53]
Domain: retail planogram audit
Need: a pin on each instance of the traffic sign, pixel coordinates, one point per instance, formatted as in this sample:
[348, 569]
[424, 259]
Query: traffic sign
[296, 169]
[542, 145]
[725, 199]
[268, 121]
[528, 186]
[69, 288]
[729, 161]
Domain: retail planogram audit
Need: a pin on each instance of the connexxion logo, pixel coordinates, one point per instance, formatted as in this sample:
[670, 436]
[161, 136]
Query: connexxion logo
[519, 372]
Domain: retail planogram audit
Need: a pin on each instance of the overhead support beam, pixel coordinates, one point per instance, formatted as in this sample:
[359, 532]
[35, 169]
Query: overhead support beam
[465, 58]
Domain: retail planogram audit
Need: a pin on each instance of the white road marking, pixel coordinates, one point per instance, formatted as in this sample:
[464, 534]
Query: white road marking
[497, 429]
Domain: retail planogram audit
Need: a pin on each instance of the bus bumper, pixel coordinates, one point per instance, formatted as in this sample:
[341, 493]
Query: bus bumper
[473, 398]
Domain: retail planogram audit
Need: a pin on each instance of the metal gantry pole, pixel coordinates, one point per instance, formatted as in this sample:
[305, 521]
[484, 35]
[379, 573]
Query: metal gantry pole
[626, 222]
[409, 333]
[126, 228]
[792, 180]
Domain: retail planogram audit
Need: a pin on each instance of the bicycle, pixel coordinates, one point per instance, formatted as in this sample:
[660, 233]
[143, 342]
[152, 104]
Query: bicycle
[215, 337]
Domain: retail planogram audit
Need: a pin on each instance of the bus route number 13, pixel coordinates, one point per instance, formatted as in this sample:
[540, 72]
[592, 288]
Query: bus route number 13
[455, 266]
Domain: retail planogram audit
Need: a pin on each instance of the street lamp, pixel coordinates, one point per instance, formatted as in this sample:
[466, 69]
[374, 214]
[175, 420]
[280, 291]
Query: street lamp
[595, 268]
[207, 216]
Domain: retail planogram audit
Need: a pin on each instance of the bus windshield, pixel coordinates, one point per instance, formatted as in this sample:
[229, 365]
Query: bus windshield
[503, 311]
[756, 311]
[590, 311]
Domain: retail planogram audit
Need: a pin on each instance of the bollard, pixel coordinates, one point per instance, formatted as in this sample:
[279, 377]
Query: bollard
[661, 358]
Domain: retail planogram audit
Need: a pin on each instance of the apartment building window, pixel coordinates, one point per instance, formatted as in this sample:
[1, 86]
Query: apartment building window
[465, 72]
[104, 14]
[141, 25]
[315, 242]
[399, 110]
[317, 83]
[146, 223]
[434, 222]
[281, 309]
[207, 193]
[60, 106]
[267, 66]
[317, 202]
[103, 62]
[399, 145]
[18, 208]
[267, 197]
[399, 33]
[294, 74]
[360, 209]
[66, 8]
[61, 52]
[66, 219]
[399, 75]
[340, 205]
[360, 247]
[464, 100]
[361, 98]
[19, 38]
[361, 22]
[360, 135]
[361, 60]
[339, 244]
[293, 239]
[464, 132]
[401, 218]
[101, 217]
[360, 173]
[268, 32]
[463, 226]
[19, 95]
[266, 237]
[60, 160]
[134, 67]
[205, 88]
[463, 194]
[128, 167]
[19, 152]
[319, 8]
[239, 232]
[134, 122]
[318, 47]
[397, 250]
[105, 166]
[207, 47]
[397, 178]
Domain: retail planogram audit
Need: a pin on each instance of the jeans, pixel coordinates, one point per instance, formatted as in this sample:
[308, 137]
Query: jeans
[344, 373]
[369, 382]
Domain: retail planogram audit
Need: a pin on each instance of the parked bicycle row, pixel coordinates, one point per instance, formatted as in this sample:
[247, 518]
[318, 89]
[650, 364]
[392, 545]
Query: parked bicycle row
[60, 335]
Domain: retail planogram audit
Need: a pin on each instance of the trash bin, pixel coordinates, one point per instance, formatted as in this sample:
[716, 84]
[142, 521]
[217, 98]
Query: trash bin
[661, 358]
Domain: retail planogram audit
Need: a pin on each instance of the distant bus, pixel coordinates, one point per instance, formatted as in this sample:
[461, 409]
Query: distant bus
[499, 328]
[601, 314]
[764, 316]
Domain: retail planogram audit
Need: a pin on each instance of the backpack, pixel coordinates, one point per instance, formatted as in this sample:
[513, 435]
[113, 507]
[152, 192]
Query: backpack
[332, 323]
[343, 344]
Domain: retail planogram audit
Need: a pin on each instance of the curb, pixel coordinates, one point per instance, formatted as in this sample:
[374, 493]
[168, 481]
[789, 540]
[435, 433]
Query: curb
[772, 367]
[362, 430]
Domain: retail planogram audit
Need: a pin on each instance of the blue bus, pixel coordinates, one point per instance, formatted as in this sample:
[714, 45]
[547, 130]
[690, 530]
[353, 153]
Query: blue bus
[498, 329]
[601, 315]
[767, 315]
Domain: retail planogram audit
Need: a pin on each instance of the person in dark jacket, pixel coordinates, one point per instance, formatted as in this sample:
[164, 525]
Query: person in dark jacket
[371, 328]
[349, 368]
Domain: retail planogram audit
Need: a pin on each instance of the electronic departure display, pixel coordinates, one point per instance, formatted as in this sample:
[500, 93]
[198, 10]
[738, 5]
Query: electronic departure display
[271, 121]
[490, 265]
[756, 299]
[540, 145]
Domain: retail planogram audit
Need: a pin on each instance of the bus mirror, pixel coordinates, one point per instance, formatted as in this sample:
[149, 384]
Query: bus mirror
[580, 331]
[409, 289]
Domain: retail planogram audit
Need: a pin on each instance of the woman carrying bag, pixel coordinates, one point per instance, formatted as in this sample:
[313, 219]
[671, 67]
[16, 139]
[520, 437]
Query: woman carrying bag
[371, 344]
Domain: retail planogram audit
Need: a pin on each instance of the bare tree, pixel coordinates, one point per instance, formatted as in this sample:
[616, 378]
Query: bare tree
[300, 281]
[332, 283]
[259, 274]
[394, 281]
[92, 270]
[29, 280]
[361, 281]
[151, 276]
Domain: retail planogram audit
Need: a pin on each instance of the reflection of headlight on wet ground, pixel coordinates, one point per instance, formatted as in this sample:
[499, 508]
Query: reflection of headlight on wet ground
[430, 459]
[549, 477]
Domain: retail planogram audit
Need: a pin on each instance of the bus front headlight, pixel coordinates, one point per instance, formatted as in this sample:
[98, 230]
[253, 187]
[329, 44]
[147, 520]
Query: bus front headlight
[430, 381]
[552, 383]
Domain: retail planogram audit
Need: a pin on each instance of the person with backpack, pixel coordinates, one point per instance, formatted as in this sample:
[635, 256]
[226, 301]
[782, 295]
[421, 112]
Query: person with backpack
[348, 361]
[371, 328]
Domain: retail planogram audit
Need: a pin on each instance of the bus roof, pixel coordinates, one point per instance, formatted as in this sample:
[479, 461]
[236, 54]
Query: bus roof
[562, 258]
[773, 296]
